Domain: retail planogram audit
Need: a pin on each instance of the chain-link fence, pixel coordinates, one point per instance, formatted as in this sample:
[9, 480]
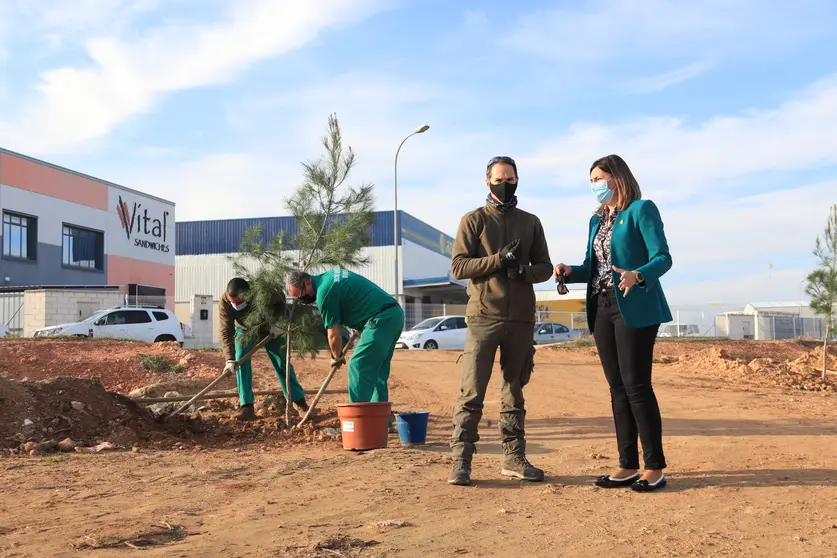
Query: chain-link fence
[712, 320]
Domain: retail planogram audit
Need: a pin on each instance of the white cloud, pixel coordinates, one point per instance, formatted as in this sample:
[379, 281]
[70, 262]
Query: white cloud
[653, 84]
[223, 186]
[699, 158]
[76, 105]
[614, 29]
[58, 20]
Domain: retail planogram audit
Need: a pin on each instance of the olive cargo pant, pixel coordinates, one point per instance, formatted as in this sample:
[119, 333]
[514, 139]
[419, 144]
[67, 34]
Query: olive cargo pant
[515, 341]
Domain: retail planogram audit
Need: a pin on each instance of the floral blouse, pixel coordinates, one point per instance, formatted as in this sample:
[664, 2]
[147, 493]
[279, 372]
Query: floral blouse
[602, 268]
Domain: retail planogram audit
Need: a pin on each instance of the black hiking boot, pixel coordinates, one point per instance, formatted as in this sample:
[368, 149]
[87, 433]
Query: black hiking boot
[517, 466]
[460, 473]
[247, 413]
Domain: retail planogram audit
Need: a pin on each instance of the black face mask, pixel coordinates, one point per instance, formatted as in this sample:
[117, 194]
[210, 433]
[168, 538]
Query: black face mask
[504, 191]
[308, 299]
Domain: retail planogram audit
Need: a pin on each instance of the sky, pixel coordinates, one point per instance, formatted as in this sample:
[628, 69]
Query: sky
[725, 110]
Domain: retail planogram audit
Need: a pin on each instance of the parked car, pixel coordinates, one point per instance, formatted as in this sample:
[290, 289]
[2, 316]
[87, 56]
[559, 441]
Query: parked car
[683, 330]
[553, 332]
[442, 332]
[151, 324]
[4, 331]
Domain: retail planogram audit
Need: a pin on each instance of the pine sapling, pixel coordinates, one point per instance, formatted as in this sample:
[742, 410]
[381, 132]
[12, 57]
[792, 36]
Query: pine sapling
[331, 228]
[822, 282]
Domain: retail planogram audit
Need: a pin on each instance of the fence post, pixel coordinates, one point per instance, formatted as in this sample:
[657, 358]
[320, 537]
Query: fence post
[773, 328]
[794, 327]
[444, 309]
[572, 320]
[678, 323]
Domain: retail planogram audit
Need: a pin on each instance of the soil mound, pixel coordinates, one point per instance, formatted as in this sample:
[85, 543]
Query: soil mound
[803, 372]
[121, 366]
[35, 416]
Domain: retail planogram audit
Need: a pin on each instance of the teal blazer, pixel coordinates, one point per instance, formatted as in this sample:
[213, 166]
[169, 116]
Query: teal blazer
[638, 243]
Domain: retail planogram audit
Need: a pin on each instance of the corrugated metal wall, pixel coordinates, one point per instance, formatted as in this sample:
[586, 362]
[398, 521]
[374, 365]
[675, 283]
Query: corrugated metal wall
[11, 311]
[209, 274]
[224, 237]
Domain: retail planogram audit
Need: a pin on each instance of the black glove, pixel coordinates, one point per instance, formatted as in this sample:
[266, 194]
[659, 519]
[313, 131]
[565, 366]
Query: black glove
[510, 254]
[516, 273]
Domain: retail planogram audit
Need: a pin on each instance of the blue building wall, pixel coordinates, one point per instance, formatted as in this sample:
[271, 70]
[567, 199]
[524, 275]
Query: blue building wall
[224, 236]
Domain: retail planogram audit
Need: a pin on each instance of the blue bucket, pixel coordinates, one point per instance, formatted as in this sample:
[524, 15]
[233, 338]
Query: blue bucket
[412, 427]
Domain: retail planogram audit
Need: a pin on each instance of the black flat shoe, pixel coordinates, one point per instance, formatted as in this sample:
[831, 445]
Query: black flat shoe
[645, 486]
[608, 482]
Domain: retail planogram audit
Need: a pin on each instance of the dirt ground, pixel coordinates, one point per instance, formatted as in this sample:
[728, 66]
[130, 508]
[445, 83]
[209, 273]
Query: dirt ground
[750, 433]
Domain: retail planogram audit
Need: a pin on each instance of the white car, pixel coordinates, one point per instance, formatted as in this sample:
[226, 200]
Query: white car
[443, 332]
[553, 332]
[683, 330]
[151, 324]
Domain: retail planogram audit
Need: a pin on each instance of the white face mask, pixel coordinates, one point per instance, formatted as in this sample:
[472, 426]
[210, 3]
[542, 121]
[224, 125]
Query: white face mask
[239, 307]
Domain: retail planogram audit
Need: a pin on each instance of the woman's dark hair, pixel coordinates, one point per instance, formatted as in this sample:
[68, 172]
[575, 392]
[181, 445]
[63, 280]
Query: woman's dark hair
[626, 188]
[237, 287]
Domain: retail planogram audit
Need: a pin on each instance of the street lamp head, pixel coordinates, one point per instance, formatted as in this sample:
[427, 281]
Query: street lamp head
[422, 129]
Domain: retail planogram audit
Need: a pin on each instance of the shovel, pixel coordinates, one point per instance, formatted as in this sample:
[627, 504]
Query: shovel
[316, 400]
[223, 375]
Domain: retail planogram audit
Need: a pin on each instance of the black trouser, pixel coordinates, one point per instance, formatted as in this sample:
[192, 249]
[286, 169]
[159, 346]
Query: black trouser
[626, 354]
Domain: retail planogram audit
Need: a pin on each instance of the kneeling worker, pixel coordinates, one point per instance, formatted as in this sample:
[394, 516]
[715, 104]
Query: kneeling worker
[232, 309]
[351, 300]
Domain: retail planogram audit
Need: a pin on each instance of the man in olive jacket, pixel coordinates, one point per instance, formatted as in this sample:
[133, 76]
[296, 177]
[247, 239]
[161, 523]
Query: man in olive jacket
[502, 251]
[232, 310]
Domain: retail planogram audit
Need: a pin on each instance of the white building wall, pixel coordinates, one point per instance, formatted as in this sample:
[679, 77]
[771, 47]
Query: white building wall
[149, 232]
[210, 273]
[421, 263]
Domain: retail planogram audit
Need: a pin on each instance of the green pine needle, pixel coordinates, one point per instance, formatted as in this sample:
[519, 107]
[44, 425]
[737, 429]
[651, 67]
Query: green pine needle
[332, 228]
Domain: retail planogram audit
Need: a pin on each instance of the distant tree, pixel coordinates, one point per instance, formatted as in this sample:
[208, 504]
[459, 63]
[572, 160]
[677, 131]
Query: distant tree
[822, 282]
[332, 223]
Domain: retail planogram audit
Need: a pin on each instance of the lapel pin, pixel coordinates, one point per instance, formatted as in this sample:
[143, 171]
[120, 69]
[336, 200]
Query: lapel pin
[621, 222]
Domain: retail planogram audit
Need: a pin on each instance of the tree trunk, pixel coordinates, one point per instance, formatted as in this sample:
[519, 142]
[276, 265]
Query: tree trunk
[288, 366]
[825, 353]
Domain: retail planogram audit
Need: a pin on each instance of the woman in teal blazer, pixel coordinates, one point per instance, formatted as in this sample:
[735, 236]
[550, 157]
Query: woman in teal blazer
[627, 253]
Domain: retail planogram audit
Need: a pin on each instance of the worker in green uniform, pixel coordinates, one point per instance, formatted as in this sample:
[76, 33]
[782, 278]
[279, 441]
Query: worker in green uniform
[232, 310]
[502, 250]
[348, 299]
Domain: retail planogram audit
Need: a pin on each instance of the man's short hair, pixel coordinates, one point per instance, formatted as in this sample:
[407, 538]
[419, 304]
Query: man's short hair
[500, 159]
[237, 287]
[297, 279]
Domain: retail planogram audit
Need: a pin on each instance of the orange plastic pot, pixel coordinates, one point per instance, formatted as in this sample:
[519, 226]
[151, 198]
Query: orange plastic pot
[364, 426]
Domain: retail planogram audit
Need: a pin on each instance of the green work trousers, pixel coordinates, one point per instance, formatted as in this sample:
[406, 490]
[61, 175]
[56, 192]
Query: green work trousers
[484, 337]
[369, 365]
[276, 353]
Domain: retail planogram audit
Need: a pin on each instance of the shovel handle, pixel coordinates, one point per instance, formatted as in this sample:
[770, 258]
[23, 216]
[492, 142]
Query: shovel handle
[223, 375]
[331, 374]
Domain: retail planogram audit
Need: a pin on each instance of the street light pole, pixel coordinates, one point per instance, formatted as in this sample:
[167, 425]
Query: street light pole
[419, 130]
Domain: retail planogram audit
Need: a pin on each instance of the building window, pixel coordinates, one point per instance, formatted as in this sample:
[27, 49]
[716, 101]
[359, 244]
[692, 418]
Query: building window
[83, 248]
[20, 236]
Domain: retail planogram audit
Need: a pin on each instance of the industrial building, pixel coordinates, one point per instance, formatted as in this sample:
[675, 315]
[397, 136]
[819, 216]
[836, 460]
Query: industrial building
[61, 228]
[771, 321]
[204, 265]
[67, 232]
